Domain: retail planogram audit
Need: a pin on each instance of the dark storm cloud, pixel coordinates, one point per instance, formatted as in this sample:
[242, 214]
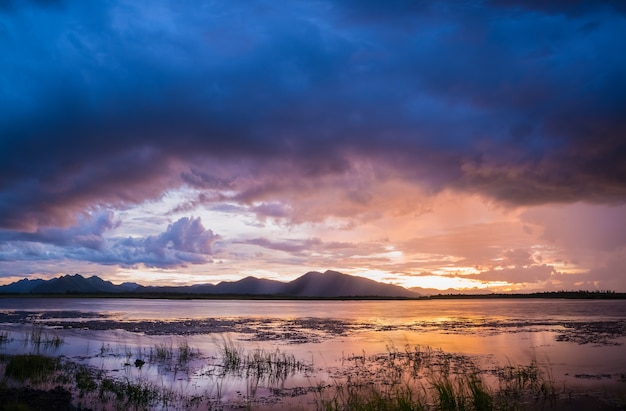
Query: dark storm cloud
[573, 7]
[106, 104]
[10, 4]
[87, 233]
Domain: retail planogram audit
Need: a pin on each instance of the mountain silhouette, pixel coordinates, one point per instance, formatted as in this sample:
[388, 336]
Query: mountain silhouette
[336, 284]
[330, 284]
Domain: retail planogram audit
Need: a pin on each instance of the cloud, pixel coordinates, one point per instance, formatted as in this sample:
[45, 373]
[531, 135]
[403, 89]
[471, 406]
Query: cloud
[580, 226]
[574, 8]
[517, 275]
[473, 244]
[88, 233]
[290, 246]
[518, 258]
[187, 235]
[8, 5]
[111, 104]
[185, 241]
[318, 249]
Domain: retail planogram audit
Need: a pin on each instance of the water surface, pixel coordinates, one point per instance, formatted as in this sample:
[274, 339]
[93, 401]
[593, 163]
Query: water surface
[579, 342]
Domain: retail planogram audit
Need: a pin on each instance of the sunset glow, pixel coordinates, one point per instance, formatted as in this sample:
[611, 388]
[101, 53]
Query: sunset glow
[475, 147]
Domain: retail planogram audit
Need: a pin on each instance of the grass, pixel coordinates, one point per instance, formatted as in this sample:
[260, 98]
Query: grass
[38, 338]
[162, 352]
[124, 392]
[186, 353]
[86, 380]
[39, 370]
[260, 364]
[232, 356]
[5, 337]
[409, 379]
[424, 379]
[32, 367]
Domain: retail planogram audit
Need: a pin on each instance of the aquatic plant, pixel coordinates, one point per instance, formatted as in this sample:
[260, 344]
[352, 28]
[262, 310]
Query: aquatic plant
[85, 380]
[33, 367]
[412, 378]
[259, 364]
[481, 398]
[5, 338]
[232, 355]
[276, 364]
[126, 393]
[417, 379]
[37, 337]
[162, 352]
[54, 341]
[186, 353]
[105, 349]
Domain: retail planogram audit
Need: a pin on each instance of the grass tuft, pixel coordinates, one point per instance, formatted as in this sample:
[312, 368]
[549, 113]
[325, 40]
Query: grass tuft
[162, 352]
[417, 379]
[33, 367]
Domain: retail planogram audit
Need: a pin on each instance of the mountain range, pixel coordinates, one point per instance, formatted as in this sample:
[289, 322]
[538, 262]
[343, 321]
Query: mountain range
[330, 284]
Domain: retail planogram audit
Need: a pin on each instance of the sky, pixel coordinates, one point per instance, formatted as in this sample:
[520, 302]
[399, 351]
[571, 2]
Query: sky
[466, 145]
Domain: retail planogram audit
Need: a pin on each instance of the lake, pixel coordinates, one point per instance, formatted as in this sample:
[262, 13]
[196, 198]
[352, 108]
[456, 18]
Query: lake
[579, 343]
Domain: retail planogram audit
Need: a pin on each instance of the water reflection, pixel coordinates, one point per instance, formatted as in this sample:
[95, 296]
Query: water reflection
[231, 351]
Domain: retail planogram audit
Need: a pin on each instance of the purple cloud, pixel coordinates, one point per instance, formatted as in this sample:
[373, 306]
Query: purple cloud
[184, 242]
[88, 233]
[186, 235]
[107, 105]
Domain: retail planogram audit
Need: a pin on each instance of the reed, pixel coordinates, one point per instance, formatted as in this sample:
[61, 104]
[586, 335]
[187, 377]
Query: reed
[85, 379]
[162, 352]
[232, 356]
[34, 367]
[139, 395]
[409, 379]
[259, 364]
[4, 337]
[37, 338]
[186, 353]
[418, 379]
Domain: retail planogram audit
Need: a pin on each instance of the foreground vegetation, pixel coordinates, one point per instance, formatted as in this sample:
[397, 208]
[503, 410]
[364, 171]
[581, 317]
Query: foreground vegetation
[411, 378]
[426, 379]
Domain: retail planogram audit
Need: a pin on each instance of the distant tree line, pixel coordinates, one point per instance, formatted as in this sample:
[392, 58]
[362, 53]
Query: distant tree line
[580, 294]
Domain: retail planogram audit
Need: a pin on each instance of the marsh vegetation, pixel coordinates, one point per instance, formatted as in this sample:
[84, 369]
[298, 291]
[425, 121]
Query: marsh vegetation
[411, 378]
[420, 378]
[368, 359]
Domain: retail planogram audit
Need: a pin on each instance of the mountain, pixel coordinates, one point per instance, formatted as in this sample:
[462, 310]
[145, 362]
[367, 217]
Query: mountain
[245, 286]
[21, 286]
[78, 284]
[335, 284]
[66, 284]
[312, 284]
[250, 285]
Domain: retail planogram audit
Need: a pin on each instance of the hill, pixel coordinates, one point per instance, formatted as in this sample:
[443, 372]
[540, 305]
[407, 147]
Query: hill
[334, 284]
[330, 284]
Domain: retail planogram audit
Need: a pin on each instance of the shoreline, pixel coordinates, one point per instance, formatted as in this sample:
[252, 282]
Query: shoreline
[559, 295]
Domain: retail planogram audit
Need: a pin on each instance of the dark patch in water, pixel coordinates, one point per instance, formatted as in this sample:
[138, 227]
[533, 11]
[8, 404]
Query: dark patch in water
[306, 330]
